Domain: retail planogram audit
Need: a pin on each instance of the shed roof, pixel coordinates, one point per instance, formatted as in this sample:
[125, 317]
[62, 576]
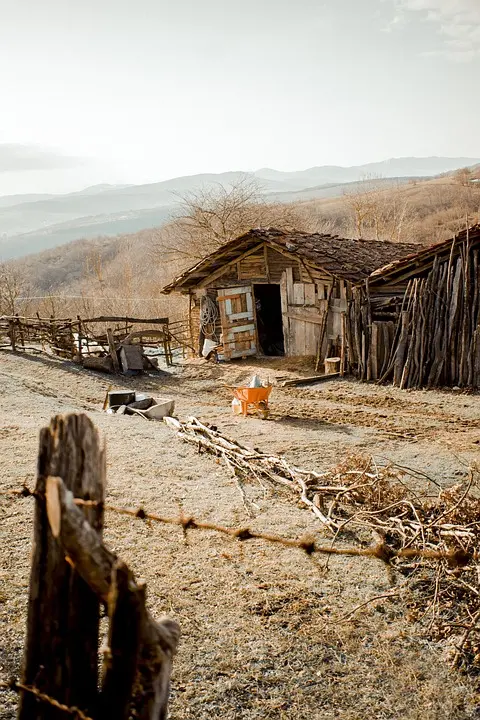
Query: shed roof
[345, 258]
[423, 259]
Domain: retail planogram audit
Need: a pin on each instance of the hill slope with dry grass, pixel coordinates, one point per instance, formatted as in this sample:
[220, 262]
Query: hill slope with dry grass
[127, 272]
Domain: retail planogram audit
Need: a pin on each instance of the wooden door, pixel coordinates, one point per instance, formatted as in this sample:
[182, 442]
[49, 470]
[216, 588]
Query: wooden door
[301, 317]
[237, 317]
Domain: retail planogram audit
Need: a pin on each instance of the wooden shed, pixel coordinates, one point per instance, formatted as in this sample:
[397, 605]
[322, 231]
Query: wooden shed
[271, 292]
[416, 320]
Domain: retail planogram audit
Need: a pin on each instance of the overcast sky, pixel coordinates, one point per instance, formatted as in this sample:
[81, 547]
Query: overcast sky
[145, 90]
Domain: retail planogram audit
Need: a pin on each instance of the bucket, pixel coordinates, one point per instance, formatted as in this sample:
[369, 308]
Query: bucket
[120, 397]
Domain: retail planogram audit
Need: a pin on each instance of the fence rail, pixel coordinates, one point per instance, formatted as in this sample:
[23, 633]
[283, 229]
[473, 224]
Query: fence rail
[89, 340]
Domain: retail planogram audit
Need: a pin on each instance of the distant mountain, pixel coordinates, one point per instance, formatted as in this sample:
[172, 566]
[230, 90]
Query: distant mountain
[30, 223]
[395, 167]
[9, 200]
[86, 227]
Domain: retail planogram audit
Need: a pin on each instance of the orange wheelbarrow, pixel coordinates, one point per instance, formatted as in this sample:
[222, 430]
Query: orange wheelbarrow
[256, 398]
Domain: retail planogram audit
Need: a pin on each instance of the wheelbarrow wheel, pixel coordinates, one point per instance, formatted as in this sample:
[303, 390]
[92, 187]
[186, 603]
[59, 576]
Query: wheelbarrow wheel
[262, 410]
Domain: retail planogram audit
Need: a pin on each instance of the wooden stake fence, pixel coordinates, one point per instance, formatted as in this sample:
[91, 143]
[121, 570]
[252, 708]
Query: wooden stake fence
[436, 338]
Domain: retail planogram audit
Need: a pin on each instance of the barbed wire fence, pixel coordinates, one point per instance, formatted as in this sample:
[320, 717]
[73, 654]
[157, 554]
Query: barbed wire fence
[418, 530]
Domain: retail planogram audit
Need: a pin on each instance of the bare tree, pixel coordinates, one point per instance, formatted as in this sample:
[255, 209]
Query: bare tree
[380, 210]
[212, 216]
[11, 288]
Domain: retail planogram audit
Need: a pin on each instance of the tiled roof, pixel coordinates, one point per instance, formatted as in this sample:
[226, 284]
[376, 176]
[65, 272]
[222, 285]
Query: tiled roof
[348, 259]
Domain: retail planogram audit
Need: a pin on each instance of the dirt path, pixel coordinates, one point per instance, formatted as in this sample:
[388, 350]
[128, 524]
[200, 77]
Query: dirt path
[259, 637]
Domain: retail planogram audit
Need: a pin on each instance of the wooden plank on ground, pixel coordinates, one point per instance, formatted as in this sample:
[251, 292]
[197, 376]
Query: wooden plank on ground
[309, 380]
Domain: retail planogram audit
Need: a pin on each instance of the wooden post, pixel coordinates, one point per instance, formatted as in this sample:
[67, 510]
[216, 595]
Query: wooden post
[113, 351]
[11, 332]
[61, 647]
[399, 362]
[120, 662]
[323, 328]
[343, 342]
[20, 330]
[141, 650]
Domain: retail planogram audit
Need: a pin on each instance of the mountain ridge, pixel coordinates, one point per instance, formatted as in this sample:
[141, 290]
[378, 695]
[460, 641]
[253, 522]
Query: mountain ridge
[30, 223]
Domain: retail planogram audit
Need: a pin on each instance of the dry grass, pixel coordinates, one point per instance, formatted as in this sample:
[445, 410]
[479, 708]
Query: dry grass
[263, 634]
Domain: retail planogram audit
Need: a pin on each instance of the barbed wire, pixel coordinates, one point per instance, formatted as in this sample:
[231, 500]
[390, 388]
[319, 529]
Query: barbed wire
[18, 687]
[380, 551]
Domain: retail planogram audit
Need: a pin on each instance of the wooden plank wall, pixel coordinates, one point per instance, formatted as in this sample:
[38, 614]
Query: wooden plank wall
[303, 306]
[304, 295]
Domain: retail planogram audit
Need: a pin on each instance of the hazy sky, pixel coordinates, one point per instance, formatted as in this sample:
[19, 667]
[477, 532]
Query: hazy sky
[144, 90]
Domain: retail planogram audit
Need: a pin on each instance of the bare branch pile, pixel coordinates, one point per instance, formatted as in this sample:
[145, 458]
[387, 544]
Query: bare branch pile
[443, 589]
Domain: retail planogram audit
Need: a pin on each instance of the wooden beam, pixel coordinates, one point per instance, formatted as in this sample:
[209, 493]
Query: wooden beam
[309, 380]
[145, 321]
[218, 273]
[306, 317]
[265, 260]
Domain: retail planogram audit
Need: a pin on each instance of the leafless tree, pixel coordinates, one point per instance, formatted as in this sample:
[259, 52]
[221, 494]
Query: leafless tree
[11, 288]
[380, 210]
[212, 216]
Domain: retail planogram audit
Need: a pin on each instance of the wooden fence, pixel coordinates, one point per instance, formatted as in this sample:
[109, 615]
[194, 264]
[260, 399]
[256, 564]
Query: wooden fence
[431, 338]
[91, 340]
[72, 574]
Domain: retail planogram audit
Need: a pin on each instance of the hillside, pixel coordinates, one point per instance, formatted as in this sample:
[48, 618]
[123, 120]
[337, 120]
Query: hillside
[31, 223]
[127, 272]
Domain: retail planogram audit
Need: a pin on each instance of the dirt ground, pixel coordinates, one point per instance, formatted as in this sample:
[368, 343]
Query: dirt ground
[262, 628]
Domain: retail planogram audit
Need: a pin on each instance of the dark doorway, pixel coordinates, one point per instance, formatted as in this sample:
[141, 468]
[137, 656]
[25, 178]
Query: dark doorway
[268, 306]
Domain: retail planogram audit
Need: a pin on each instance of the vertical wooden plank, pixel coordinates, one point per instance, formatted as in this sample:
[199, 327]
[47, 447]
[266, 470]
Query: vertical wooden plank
[309, 289]
[265, 260]
[285, 320]
[61, 647]
[289, 278]
[401, 349]
[113, 352]
[374, 351]
[299, 293]
[299, 331]
[310, 334]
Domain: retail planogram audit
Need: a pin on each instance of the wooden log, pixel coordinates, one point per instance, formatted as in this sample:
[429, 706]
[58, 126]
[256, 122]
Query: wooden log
[401, 348]
[343, 342]
[160, 334]
[373, 361]
[101, 364]
[60, 656]
[114, 318]
[323, 328]
[95, 563]
[310, 380]
[113, 351]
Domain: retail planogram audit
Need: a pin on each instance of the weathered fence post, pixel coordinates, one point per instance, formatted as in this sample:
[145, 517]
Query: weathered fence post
[61, 652]
[11, 333]
[72, 573]
[113, 351]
